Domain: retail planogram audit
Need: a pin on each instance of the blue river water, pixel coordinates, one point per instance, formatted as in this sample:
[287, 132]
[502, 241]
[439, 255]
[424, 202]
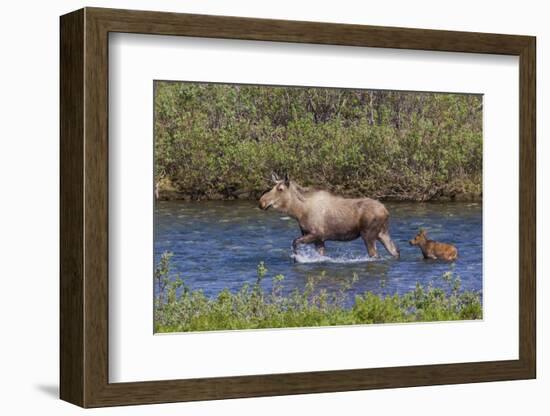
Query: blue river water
[219, 244]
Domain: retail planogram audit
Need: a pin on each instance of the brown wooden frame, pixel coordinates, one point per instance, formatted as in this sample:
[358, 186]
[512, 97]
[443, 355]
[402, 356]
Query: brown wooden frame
[84, 207]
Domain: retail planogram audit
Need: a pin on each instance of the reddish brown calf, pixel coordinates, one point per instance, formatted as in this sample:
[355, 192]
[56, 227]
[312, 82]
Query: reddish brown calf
[433, 249]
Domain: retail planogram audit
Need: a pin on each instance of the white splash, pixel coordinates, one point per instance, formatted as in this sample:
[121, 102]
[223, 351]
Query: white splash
[310, 255]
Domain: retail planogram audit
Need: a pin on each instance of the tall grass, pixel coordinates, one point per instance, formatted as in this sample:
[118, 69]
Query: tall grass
[178, 308]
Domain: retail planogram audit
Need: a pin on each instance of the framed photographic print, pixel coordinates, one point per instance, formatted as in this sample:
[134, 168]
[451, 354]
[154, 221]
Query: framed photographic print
[255, 207]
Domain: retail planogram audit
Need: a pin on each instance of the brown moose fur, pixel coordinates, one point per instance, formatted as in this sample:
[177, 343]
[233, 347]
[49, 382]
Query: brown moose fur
[433, 249]
[323, 216]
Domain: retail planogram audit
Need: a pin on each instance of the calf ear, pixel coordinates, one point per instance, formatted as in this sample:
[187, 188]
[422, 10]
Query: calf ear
[274, 177]
[287, 179]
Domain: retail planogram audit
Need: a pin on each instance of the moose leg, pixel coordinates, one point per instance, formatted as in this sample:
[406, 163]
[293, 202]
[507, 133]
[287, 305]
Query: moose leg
[320, 246]
[369, 238]
[387, 242]
[305, 239]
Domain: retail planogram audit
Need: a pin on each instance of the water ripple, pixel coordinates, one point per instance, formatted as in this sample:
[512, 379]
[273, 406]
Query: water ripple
[218, 245]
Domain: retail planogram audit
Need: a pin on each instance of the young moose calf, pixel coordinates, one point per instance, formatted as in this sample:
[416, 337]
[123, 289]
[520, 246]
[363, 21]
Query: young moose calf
[432, 249]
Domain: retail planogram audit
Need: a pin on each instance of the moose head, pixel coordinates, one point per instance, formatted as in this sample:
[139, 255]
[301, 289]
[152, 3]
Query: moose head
[420, 238]
[280, 196]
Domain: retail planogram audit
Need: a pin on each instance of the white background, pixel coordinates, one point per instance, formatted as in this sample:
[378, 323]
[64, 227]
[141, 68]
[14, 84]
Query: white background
[136, 355]
[29, 209]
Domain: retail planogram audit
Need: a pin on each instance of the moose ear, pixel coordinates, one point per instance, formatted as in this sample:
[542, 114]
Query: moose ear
[287, 180]
[274, 177]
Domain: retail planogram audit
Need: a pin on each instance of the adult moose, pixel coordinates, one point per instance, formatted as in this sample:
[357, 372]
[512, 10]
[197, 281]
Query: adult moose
[323, 216]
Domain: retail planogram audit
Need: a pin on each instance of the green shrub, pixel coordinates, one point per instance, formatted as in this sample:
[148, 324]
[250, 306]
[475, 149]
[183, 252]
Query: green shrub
[180, 309]
[223, 141]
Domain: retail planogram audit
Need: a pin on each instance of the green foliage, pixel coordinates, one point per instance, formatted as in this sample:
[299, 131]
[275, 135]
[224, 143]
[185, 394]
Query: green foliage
[179, 309]
[223, 141]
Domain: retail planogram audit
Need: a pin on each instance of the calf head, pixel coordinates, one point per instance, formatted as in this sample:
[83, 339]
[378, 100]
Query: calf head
[419, 239]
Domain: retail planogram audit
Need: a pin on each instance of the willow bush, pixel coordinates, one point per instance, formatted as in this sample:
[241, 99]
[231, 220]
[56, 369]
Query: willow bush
[217, 141]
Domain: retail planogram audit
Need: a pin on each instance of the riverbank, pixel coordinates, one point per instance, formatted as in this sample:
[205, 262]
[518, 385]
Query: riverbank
[167, 191]
[179, 308]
